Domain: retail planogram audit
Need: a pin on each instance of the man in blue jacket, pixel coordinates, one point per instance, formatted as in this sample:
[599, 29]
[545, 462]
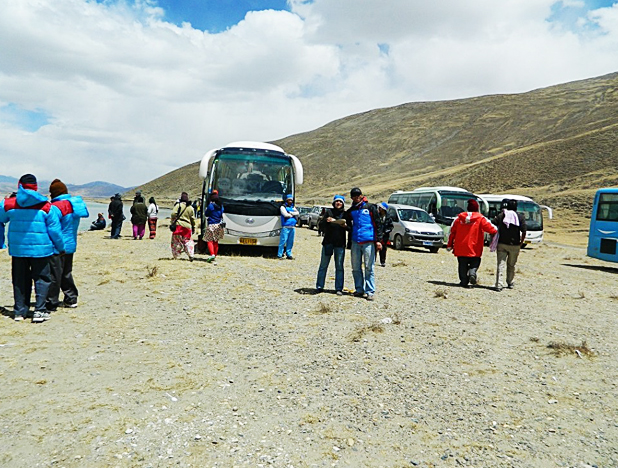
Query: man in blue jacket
[366, 234]
[34, 233]
[72, 209]
[289, 214]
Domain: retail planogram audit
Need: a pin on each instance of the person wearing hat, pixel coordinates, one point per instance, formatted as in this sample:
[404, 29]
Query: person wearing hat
[334, 227]
[72, 209]
[511, 236]
[289, 215]
[34, 234]
[466, 241]
[387, 227]
[116, 214]
[366, 235]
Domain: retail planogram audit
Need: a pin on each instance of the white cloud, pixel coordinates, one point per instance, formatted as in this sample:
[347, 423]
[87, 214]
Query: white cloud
[130, 97]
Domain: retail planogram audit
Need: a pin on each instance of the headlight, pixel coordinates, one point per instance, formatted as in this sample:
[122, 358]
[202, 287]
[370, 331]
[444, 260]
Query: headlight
[274, 233]
[411, 231]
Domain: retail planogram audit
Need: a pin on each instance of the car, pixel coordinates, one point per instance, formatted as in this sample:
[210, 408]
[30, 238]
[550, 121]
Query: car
[303, 215]
[314, 215]
[414, 227]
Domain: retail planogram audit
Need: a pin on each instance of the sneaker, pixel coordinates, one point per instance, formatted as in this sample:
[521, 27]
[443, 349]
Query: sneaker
[210, 259]
[46, 316]
[498, 288]
[339, 293]
[38, 317]
[319, 290]
[473, 279]
[382, 264]
[67, 305]
[358, 294]
[19, 318]
[281, 258]
[369, 297]
[510, 286]
[290, 258]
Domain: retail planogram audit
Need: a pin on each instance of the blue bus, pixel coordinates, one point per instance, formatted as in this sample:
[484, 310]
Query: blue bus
[603, 235]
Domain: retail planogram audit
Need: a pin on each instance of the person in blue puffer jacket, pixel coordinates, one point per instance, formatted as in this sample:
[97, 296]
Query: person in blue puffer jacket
[34, 233]
[366, 236]
[289, 216]
[72, 209]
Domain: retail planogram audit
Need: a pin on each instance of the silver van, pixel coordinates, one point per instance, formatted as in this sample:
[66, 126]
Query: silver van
[412, 226]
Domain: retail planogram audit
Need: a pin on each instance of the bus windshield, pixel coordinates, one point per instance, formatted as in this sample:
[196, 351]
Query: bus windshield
[252, 177]
[454, 203]
[532, 215]
[417, 216]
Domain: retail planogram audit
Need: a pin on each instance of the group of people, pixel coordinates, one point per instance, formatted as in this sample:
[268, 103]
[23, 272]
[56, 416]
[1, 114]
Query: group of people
[42, 238]
[365, 229]
[140, 215]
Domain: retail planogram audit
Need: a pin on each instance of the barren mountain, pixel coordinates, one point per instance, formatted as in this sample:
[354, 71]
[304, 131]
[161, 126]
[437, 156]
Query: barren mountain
[557, 144]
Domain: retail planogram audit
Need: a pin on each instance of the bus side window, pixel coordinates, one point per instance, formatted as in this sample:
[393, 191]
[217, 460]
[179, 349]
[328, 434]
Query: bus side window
[423, 201]
[393, 199]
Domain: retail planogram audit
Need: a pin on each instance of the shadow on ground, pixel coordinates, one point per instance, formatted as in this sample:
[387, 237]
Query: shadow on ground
[604, 269]
[456, 285]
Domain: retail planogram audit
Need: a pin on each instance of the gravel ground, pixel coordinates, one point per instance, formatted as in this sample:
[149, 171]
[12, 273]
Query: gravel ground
[172, 363]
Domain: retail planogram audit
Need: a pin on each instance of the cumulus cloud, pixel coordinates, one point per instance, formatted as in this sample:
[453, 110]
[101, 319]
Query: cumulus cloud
[127, 96]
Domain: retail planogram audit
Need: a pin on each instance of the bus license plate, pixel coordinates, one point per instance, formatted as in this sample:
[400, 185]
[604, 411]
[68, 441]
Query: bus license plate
[247, 241]
[427, 243]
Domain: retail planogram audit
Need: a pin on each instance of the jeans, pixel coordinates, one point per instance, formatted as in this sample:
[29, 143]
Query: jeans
[364, 253]
[24, 270]
[467, 266]
[286, 241]
[327, 252]
[61, 273]
[116, 228]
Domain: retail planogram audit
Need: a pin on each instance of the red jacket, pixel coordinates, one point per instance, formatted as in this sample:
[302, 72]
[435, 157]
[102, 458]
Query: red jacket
[467, 234]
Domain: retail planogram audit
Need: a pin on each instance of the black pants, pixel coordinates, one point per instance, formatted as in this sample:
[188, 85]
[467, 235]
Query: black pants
[61, 279]
[467, 266]
[383, 251]
[25, 270]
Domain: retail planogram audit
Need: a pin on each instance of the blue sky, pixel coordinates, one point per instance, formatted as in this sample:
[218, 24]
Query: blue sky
[122, 91]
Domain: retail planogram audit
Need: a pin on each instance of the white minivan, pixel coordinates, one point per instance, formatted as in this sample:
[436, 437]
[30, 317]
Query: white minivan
[412, 226]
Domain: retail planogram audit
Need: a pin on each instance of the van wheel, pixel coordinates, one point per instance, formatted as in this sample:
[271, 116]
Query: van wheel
[434, 249]
[398, 242]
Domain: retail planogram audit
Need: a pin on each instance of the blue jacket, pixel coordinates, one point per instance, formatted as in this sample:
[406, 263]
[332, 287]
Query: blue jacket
[72, 209]
[214, 213]
[2, 244]
[34, 225]
[365, 227]
[291, 221]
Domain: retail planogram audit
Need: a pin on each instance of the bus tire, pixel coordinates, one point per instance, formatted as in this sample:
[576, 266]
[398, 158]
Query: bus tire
[398, 243]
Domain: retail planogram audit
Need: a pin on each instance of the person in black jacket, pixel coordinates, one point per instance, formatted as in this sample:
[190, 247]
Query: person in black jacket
[333, 225]
[99, 224]
[115, 211]
[511, 236]
[387, 227]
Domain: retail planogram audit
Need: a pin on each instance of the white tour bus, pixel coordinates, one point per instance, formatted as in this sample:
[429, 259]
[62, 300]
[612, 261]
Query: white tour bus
[531, 210]
[442, 203]
[252, 180]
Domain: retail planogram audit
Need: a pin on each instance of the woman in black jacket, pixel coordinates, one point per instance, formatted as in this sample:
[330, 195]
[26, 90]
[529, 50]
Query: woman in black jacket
[334, 227]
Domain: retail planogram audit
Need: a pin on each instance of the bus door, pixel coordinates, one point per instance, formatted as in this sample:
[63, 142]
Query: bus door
[603, 235]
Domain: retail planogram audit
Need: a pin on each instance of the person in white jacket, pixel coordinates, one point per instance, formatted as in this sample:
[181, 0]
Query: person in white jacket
[153, 215]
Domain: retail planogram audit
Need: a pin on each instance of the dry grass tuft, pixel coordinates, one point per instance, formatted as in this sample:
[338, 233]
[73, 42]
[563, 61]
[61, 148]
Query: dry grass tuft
[152, 271]
[362, 331]
[560, 348]
[534, 339]
[324, 309]
[614, 297]
[443, 293]
[400, 263]
[581, 295]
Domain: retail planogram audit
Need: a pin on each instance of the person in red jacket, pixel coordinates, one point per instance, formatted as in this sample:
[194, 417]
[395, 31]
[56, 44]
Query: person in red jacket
[466, 242]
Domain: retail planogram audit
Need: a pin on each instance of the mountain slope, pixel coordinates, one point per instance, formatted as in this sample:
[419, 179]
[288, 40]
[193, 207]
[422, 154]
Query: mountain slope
[557, 144]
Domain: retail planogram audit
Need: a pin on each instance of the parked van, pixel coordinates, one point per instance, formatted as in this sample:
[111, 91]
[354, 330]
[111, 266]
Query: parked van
[414, 227]
[531, 211]
[442, 203]
[603, 234]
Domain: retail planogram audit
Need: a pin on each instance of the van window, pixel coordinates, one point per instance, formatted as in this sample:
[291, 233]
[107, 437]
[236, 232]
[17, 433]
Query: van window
[393, 214]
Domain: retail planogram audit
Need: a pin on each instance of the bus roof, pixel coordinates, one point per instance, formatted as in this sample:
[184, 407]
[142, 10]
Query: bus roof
[493, 197]
[608, 190]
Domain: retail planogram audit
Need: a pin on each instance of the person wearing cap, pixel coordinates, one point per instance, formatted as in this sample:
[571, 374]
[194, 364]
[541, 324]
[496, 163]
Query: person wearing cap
[387, 227]
[72, 209]
[511, 236]
[289, 215]
[116, 214]
[183, 217]
[366, 232]
[333, 225]
[466, 241]
[214, 232]
[34, 234]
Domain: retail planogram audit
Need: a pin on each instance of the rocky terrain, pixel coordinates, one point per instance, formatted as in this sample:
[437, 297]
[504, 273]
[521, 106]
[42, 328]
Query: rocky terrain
[172, 363]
